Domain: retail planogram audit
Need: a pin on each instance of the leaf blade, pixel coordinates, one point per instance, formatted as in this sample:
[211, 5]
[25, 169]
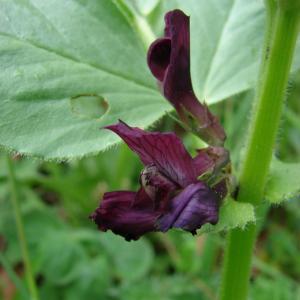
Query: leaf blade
[47, 62]
[283, 183]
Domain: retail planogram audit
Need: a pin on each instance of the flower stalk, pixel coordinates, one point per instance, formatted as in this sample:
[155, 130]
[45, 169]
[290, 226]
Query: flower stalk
[265, 121]
[15, 197]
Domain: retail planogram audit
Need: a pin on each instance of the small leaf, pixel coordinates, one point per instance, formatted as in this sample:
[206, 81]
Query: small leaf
[171, 287]
[60, 256]
[283, 183]
[232, 214]
[136, 256]
[92, 280]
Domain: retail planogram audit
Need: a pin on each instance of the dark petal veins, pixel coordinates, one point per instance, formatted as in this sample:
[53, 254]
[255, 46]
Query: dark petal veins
[164, 150]
[210, 159]
[196, 205]
[116, 213]
[159, 57]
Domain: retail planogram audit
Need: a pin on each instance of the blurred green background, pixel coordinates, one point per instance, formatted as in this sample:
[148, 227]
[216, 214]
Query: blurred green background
[72, 260]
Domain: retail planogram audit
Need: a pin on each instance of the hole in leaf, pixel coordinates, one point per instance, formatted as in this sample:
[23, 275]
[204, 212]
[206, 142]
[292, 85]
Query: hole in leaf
[89, 106]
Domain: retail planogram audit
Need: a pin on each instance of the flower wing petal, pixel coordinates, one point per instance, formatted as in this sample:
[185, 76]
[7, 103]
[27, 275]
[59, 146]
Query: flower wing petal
[196, 205]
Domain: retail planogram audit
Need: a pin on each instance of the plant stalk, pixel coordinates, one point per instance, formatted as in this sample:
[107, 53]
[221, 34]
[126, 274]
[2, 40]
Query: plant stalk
[15, 197]
[265, 121]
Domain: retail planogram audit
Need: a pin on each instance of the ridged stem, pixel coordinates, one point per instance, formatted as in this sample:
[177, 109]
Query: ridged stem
[264, 125]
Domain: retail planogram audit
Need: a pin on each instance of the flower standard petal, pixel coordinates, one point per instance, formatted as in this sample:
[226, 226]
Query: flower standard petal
[164, 150]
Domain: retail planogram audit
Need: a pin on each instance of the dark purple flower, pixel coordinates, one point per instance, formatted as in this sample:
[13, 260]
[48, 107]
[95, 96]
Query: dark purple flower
[170, 196]
[169, 62]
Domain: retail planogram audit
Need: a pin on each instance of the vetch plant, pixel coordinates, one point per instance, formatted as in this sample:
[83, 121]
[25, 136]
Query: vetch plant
[170, 196]
[65, 78]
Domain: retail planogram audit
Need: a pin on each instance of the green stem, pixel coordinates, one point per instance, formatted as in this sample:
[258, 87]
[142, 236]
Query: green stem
[20, 230]
[209, 255]
[265, 122]
[270, 20]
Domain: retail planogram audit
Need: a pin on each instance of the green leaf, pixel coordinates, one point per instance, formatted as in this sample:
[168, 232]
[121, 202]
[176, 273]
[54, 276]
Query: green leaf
[38, 222]
[146, 7]
[47, 59]
[226, 41]
[60, 256]
[233, 214]
[283, 183]
[172, 287]
[92, 281]
[132, 260]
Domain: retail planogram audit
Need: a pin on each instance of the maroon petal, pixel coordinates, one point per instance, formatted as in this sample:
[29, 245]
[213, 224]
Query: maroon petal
[164, 150]
[169, 61]
[196, 205]
[118, 214]
[159, 57]
[177, 81]
[169, 58]
[210, 159]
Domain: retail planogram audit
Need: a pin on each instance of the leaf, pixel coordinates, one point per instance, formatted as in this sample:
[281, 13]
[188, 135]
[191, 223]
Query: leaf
[38, 222]
[60, 256]
[146, 7]
[233, 214]
[92, 281]
[226, 41]
[172, 287]
[47, 59]
[283, 183]
[136, 256]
